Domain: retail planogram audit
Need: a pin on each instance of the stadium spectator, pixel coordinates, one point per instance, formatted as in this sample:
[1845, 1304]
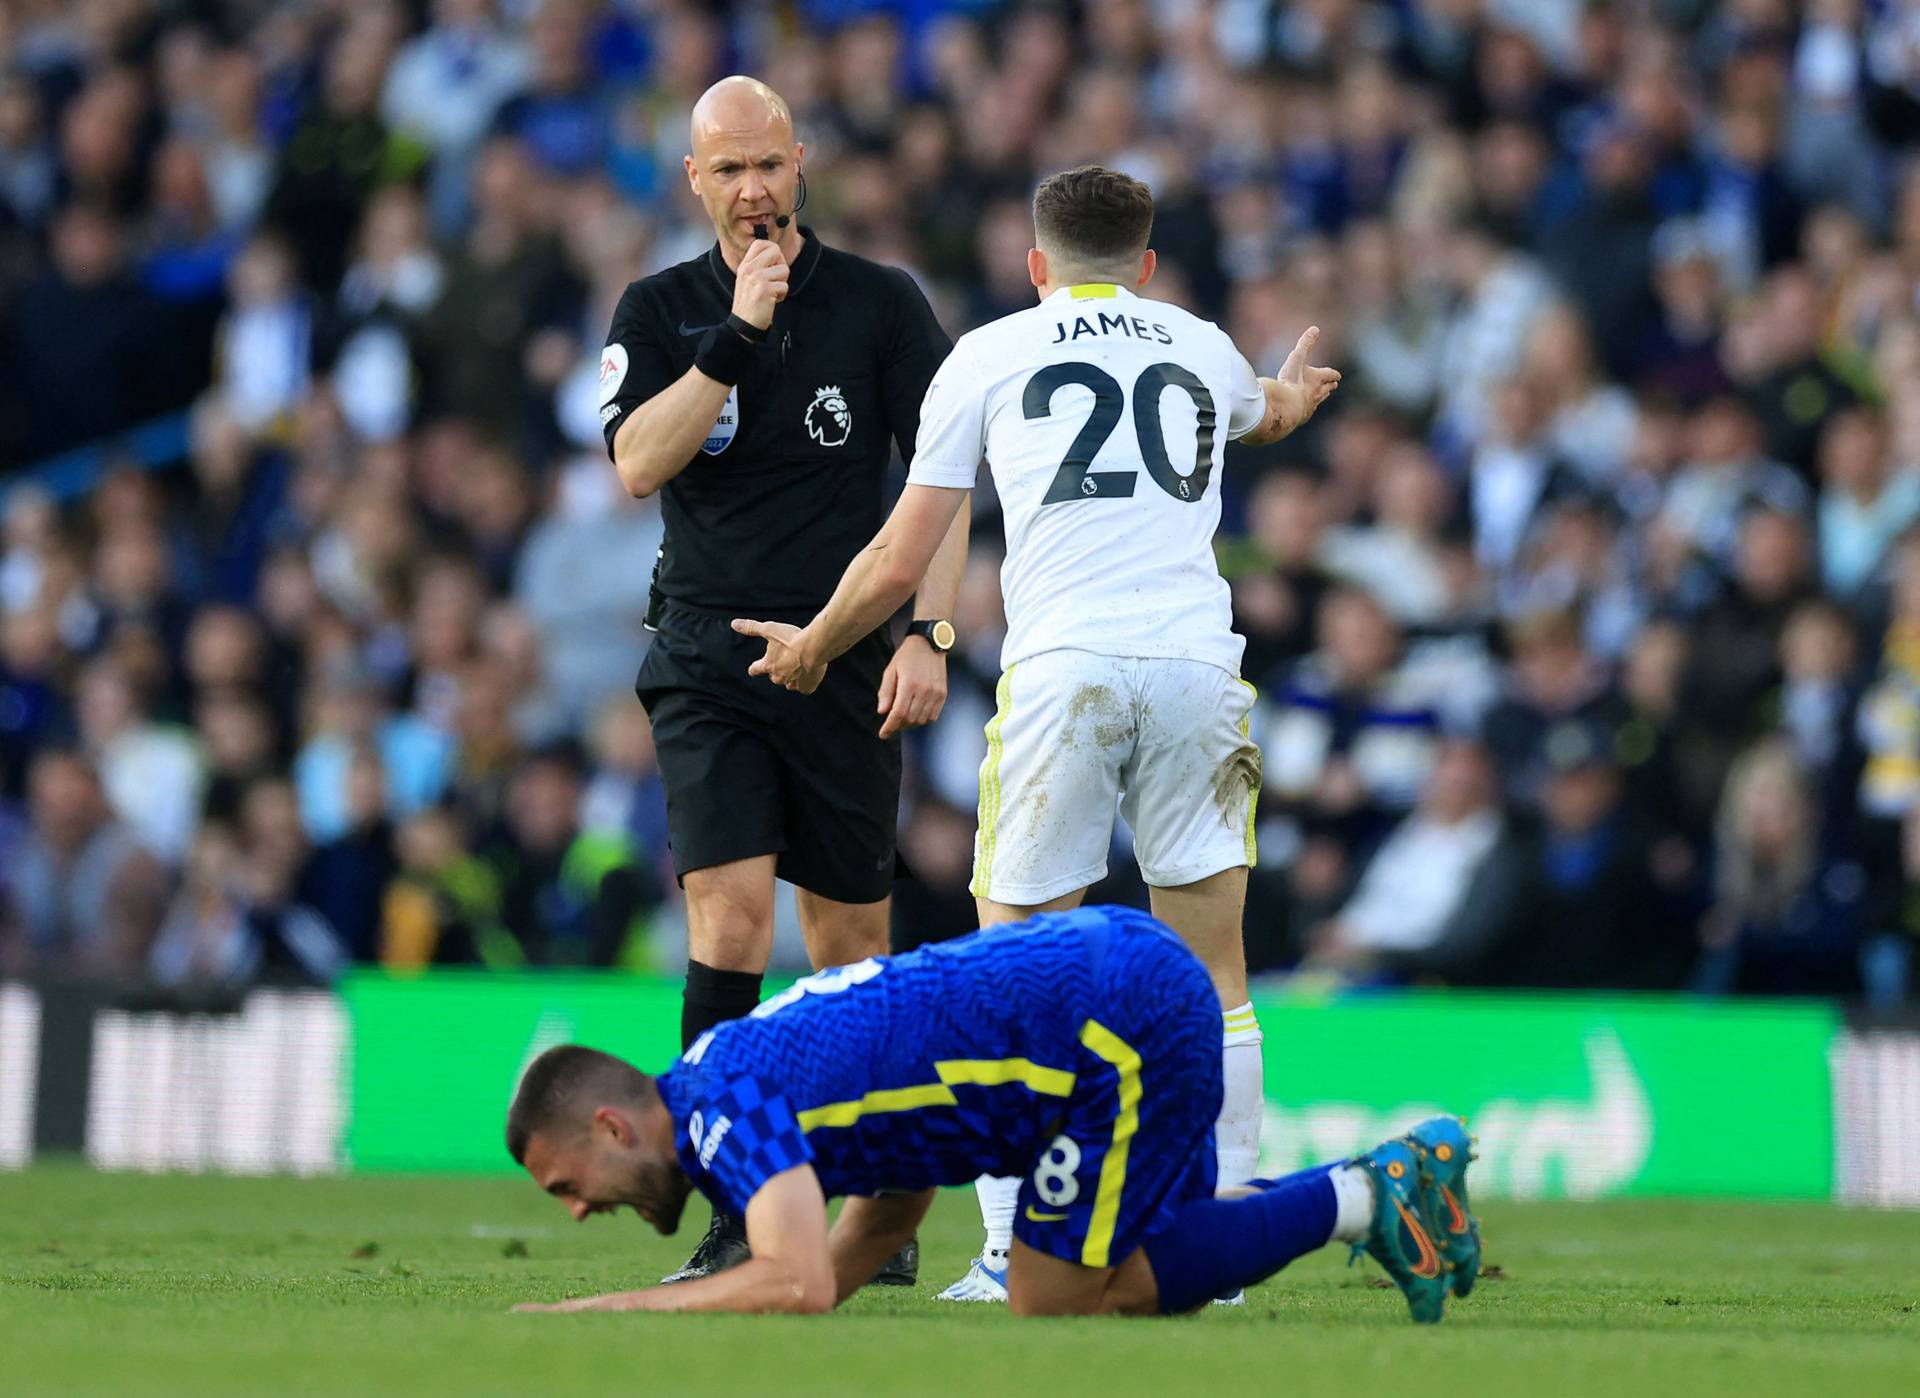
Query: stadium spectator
[416, 757]
[1815, 707]
[569, 897]
[345, 880]
[1866, 500]
[151, 773]
[1277, 602]
[1590, 910]
[1734, 659]
[339, 150]
[27, 166]
[241, 915]
[266, 339]
[34, 704]
[1553, 680]
[241, 743]
[78, 359]
[204, 934]
[560, 115]
[1399, 557]
[1787, 911]
[1679, 351]
[443, 906]
[625, 794]
[1442, 887]
[83, 897]
[444, 87]
[1353, 735]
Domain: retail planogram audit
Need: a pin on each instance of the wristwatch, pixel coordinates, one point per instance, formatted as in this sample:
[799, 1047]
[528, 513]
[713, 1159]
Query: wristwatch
[938, 634]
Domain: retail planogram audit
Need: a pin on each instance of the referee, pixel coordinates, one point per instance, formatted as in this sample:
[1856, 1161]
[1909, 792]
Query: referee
[761, 388]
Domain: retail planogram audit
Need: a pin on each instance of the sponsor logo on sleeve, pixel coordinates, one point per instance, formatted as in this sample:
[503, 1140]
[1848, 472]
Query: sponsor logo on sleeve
[613, 373]
[715, 1136]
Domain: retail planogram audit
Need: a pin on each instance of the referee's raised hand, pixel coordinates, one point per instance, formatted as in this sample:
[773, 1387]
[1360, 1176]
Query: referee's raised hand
[760, 284]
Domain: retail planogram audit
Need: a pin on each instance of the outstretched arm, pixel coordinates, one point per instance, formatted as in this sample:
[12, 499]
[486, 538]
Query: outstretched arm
[881, 577]
[1293, 394]
[914, 689]
[790, 1270]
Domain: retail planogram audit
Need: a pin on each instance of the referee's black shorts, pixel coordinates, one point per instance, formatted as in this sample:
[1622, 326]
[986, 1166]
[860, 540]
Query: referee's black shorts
[751, 768]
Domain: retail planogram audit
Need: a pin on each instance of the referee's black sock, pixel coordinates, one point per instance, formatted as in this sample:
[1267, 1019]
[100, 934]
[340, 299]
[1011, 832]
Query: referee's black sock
[714, 997]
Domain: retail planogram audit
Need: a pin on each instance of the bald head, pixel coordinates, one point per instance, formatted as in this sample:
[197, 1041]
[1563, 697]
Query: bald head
[739, 107]
[745, 163]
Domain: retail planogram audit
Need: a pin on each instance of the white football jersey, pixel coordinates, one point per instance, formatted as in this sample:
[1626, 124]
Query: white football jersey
[1104, 417]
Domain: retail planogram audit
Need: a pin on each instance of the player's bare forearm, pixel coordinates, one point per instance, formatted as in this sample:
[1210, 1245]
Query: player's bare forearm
[882, 576]
[661, 436]
[1286, 410]
[868, 1232]
[1274, 425]
[884, 573]
[939, 590]
[789, 1271]
[1294, 394]
[758, 1286]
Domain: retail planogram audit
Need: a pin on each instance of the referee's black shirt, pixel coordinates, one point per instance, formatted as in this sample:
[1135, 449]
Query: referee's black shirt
[790, 483]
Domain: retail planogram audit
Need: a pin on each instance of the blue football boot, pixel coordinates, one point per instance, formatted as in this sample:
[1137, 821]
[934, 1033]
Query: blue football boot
[1401, 1236]
[1448, 1150]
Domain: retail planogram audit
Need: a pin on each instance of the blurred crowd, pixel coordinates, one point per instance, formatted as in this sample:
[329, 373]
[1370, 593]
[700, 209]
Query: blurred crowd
[1586, 617]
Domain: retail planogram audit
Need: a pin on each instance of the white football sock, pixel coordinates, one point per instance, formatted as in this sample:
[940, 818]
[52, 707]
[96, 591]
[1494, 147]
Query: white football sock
[999, 1196]
[1237, 1133]
[1353, 1192]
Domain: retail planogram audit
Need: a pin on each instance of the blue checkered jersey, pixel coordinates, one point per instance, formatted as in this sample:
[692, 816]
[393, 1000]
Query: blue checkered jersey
[928, 1068]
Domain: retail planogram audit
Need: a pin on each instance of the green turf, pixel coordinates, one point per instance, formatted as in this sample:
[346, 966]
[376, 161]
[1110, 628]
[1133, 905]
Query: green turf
[125, 1284]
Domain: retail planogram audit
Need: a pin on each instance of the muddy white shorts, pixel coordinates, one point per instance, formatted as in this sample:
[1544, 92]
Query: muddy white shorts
[1076, 735]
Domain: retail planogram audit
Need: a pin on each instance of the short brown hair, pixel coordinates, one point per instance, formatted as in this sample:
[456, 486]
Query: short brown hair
[563, 1087]
[1093, 216]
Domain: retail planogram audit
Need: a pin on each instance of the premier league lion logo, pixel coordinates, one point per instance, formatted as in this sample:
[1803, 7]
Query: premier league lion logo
[829, 419]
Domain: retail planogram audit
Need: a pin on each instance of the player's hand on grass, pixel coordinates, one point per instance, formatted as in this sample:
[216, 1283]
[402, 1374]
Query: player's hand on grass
[914, 688]
[611, 1301]
[553, 1308]
[786, 662]
[1300, 388]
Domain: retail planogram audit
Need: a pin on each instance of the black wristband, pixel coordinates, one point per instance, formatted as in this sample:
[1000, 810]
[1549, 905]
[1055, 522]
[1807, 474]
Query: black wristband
[723, 356]
[747, 330]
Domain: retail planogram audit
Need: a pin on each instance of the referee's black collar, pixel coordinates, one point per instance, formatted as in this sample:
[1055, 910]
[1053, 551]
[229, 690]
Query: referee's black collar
[802, 267]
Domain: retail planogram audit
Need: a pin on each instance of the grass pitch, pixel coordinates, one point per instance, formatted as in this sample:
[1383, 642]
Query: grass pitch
[195, 1285]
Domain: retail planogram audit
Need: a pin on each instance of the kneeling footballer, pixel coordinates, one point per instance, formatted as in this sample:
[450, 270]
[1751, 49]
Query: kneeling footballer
[1079, 1051]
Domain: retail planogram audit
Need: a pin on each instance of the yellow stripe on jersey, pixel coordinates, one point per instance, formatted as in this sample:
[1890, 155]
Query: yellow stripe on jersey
[1253, 790]
[881, 1099]
[1094, 291]
[1096, 1252]
[995, 1072]
[952, 1072]
[990, 784]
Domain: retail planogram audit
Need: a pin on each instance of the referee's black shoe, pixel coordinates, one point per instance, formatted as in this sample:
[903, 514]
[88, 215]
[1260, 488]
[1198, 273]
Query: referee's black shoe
[724, 1246]
[903, 1268]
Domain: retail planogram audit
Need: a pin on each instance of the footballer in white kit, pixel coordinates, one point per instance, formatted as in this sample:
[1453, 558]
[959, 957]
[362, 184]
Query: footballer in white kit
[1104, 417]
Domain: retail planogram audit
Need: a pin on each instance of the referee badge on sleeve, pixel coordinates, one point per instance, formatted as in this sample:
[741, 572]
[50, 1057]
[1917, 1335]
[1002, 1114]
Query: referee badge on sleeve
[725, 425]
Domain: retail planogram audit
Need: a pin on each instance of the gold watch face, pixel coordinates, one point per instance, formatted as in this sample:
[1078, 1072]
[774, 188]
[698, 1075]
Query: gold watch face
[943, 635]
